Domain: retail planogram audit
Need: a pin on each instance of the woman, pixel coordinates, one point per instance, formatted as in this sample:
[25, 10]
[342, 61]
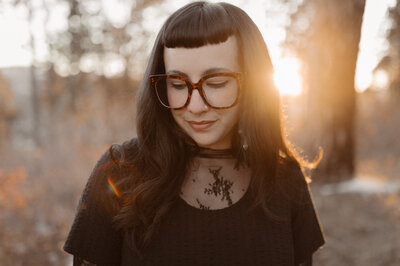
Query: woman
[209, 180]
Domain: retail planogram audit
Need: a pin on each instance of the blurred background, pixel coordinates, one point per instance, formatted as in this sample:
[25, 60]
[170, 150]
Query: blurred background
[69, 72]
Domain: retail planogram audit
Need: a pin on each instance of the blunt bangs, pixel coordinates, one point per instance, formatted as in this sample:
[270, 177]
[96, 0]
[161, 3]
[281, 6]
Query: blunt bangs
[196, 25]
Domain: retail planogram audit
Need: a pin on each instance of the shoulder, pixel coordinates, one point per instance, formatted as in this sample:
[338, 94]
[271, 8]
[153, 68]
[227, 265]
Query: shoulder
[112, 159]
[291, 187]
[102, 186]
[123, 152]
[289, 175]
[295, 193]
[94, 236]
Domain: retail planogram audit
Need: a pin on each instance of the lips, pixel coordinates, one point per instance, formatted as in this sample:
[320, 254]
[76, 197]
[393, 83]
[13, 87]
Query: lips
[201, 125]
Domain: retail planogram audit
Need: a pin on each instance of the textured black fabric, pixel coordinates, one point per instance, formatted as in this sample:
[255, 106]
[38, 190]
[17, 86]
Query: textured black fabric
[192, 236]
[77, 261]
[92, 236]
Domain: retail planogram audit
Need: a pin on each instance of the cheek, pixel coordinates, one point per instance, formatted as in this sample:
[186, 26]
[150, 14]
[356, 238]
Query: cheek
[177, 115]
[229, 117]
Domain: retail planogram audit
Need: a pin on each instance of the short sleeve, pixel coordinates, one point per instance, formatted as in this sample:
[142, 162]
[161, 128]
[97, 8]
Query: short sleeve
[93, 236]
[307, 231]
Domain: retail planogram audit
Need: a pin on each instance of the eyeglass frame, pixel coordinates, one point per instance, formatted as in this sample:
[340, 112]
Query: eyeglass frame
[198, 86]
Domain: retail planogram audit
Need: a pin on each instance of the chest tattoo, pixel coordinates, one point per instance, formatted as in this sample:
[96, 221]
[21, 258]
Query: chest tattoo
[220, 186]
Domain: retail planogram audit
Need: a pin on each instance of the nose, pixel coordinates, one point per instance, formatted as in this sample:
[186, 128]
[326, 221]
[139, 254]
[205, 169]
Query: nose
[196, 104]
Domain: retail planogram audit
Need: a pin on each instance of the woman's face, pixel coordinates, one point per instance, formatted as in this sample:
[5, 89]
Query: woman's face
[210, 128]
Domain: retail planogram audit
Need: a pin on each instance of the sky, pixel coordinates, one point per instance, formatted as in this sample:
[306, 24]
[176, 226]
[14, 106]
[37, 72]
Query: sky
[14, 49]
[373, 42]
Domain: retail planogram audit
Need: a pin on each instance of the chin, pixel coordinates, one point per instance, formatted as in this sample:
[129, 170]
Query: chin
[203, 141]
[210, 142]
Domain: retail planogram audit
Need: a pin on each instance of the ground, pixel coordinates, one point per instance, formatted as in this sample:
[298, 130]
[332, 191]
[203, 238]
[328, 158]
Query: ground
[360, 229]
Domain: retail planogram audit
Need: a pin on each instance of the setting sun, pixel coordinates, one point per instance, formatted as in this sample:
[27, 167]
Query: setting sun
[287, 76]
[380, 79]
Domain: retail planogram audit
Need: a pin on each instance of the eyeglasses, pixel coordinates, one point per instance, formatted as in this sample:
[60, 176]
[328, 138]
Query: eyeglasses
[218, 90]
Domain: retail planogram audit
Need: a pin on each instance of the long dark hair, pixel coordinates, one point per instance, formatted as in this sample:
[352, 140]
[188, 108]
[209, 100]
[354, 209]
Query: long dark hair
[163, 152]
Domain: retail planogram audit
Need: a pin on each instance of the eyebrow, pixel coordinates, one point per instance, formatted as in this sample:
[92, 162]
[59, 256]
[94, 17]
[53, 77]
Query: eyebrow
[208, 71]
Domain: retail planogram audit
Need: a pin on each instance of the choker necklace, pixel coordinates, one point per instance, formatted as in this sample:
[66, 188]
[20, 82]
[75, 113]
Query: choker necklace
[212, 153]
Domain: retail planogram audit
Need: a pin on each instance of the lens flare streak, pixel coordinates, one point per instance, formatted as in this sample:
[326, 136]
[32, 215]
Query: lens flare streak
[112, 186]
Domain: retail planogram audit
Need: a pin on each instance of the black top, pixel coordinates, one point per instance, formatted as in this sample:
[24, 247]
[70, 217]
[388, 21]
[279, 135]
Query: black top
[193, 236]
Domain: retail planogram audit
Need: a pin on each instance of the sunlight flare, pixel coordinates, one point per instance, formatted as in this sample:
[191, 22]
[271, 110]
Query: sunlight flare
[287, 76]
[380, 79]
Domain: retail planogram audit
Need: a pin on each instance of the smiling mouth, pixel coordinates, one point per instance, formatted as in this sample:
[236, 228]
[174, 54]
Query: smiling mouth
[201, 125]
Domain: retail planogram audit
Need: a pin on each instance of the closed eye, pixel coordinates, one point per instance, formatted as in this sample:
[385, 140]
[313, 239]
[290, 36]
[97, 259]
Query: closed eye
[179, 86]
[176, 84]
[216, 85]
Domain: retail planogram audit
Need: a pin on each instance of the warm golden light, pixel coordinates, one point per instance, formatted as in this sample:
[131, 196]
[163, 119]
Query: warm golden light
[363, 78]
[380, 79]
[287, 76]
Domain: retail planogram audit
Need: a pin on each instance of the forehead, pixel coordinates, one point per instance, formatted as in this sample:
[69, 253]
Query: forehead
[194, 61]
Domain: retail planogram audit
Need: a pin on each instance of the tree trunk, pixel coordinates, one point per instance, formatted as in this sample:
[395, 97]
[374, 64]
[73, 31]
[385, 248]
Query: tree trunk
[34, 85]
[331, 58]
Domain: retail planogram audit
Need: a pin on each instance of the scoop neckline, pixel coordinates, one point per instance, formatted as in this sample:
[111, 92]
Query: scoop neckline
[234, 206]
